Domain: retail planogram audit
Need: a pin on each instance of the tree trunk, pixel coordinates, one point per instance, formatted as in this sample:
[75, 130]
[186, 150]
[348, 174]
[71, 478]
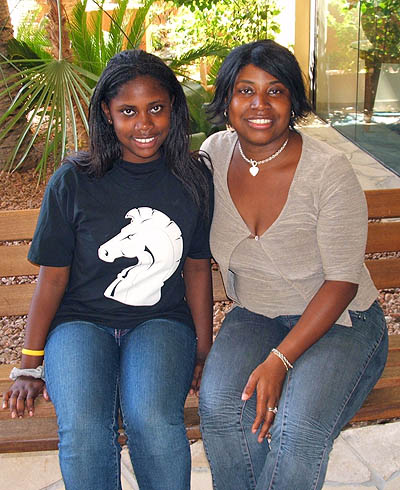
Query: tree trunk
[67, 54]
[54, 30]
[8, 144]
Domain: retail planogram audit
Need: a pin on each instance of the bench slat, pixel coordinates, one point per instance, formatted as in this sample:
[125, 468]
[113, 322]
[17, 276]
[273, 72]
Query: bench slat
[383, 203]
[218, 286]
[385, 273]
[382, 403]
[28, 434]
[394, 359]
[13, 261]
[15, 299]
[383, 237]
[18, 224]
[390, 377]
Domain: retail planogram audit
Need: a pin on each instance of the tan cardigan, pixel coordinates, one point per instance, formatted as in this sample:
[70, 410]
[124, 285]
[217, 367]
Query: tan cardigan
[319, 235]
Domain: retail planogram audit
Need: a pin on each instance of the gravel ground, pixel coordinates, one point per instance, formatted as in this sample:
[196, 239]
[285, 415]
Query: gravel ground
[21, 190]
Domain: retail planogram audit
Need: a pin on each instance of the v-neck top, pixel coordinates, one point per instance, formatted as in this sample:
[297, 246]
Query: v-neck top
[320, 234]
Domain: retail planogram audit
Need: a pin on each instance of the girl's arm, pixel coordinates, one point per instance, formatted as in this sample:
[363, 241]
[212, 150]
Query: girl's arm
[198, 285]
[321, 313]
[46, 298]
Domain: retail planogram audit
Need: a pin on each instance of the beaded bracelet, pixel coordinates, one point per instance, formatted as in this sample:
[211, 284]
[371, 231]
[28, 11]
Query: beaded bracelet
[283, 358]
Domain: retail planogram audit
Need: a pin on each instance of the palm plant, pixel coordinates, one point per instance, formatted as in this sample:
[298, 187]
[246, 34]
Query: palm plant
[53, 94]
[54, 88]
[92, 47]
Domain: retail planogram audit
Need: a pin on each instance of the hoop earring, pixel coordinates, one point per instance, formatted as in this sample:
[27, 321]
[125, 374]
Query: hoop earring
[228, 126]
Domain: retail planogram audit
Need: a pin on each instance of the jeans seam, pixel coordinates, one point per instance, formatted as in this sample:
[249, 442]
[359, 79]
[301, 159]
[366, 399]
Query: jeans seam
[284, 417]
[116, 448]
[210, 462]
[245, 444]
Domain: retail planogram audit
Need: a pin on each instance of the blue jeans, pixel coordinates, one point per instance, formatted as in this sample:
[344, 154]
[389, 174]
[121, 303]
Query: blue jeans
[92, 373]
[320, 395]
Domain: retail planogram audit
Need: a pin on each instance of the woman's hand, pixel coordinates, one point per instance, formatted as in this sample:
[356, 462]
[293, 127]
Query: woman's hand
[22, 394]
[267, 379]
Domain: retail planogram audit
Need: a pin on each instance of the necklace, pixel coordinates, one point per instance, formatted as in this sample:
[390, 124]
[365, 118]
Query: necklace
[254, 163]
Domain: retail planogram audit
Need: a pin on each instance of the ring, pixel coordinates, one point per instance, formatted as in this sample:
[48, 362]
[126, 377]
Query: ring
[274, 410]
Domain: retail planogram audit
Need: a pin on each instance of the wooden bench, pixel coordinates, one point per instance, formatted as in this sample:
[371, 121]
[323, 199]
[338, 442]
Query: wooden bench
[40, 432]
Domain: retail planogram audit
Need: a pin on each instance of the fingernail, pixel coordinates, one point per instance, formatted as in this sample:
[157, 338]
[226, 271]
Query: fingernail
[244, 397]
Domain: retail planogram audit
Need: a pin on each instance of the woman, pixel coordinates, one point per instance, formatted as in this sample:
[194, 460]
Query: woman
[112, 314]
[306, 340]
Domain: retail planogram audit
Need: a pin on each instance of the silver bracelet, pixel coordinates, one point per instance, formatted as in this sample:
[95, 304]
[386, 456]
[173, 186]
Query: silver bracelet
[34, 373]
[283, 358]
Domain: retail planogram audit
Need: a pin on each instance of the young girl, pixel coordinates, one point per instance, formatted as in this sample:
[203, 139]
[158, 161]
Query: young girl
[124, 285]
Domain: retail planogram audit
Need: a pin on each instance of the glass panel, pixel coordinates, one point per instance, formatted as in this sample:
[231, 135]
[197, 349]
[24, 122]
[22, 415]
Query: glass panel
[358, 73]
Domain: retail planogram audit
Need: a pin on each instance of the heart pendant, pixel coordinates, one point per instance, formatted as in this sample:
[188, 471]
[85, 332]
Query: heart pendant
[253, 171]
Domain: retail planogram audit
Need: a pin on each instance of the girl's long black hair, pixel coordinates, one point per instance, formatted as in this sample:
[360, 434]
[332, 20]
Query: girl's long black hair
[105, 148]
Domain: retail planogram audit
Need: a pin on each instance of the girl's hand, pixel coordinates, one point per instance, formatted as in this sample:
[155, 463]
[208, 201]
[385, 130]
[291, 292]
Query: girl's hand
[198, 372]
[267, 379]
[22, 393]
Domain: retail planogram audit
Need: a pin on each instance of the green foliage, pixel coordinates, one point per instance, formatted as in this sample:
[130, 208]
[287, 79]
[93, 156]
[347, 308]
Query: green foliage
[197, 98]
[196, 4]
[229, 23]
[342, 34]
[380, 21]
[93, 47]
[53, 94]
[33, 35]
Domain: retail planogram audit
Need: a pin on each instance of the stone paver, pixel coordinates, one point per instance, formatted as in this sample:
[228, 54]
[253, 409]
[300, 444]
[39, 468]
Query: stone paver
[393, 484]
[29, 471]
[344, 466]
[379, 446]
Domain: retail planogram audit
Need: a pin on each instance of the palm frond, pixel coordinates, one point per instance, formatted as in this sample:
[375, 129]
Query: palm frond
[25, 50]
[54, 95]
[210, 49]
[83, 42]
[116, 32]
[138, 27]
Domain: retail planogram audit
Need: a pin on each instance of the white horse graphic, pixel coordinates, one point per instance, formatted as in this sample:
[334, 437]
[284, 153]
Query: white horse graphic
[156, 241]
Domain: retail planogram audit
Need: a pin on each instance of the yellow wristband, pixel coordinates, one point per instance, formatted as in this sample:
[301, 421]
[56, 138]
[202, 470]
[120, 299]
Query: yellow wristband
[29, 352]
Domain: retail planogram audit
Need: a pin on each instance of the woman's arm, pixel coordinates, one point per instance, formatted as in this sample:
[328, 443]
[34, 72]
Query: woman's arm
[46, 298]
[321, 313]
[197, 277]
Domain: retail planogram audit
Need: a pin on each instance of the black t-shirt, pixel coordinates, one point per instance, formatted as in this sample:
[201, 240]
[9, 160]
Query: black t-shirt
[125, 237]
